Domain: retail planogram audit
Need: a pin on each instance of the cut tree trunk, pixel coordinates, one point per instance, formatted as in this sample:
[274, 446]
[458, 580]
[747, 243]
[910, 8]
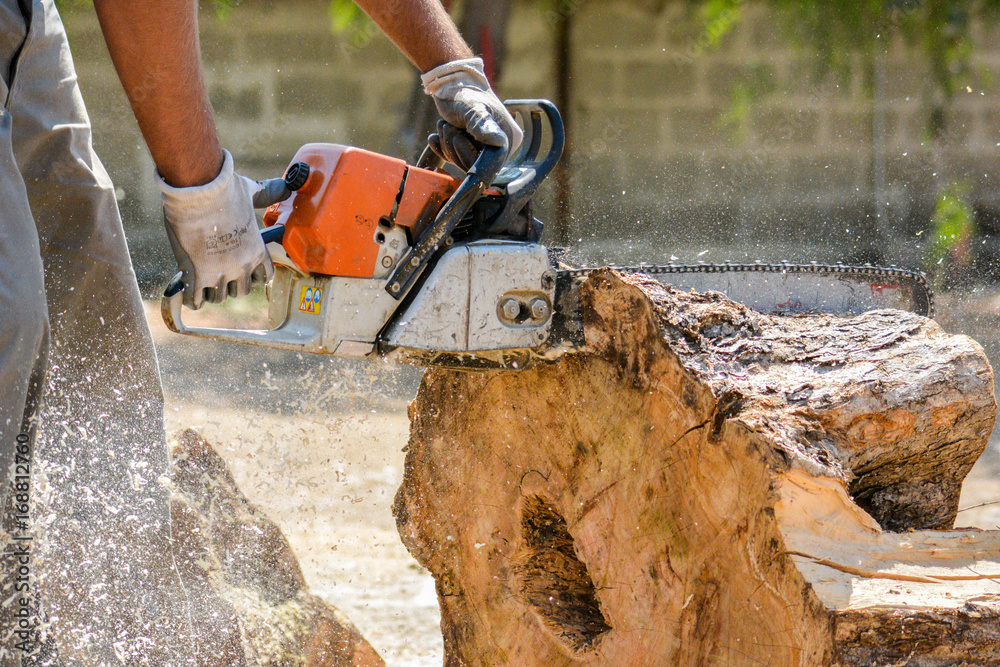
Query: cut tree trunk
[707, 485]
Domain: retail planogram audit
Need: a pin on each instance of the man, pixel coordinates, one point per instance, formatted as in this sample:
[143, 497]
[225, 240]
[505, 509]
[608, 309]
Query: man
[77, 364]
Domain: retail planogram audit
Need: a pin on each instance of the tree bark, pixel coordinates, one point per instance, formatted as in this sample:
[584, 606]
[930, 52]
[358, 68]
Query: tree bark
[707, 485]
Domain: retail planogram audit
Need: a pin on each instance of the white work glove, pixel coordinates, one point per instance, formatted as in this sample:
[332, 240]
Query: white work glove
[214, 235]
[464, 99]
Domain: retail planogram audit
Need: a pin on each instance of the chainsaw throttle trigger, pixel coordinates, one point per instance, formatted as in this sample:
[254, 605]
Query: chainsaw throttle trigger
[175, 285]
[273, 234]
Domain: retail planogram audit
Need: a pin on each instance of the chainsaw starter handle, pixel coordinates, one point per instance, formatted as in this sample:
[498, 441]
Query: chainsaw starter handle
[275, 190]
[429, 159]
[479, 177]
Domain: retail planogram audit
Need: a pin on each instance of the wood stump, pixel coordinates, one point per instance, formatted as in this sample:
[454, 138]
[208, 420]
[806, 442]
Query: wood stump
[244, 584]
[707, 485]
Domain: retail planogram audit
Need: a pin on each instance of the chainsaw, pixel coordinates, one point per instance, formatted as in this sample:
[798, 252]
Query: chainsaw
[375, 258]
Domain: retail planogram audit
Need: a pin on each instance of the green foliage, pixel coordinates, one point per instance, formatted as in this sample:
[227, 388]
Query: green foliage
[345, 15]
[66, 6]
[842, 35]
[718, 18]
[222, 7]
[949, 257]
[742, 99]
[347, 20]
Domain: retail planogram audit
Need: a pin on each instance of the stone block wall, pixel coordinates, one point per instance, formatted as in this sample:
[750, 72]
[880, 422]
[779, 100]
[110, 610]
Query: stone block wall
[796, 174]
[662, 164]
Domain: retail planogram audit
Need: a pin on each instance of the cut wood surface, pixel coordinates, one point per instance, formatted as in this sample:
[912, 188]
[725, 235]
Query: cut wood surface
[708, 485]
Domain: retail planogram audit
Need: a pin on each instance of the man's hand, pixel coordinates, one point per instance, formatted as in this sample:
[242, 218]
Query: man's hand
[465, 101]
[214, 235]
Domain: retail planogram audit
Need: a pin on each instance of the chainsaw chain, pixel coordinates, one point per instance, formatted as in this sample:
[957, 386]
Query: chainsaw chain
[864, 271]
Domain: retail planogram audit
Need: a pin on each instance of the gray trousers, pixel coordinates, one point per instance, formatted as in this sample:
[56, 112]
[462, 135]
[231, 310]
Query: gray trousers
[77, 363]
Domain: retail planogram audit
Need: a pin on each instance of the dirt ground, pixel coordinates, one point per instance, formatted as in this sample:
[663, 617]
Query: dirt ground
[317, 443]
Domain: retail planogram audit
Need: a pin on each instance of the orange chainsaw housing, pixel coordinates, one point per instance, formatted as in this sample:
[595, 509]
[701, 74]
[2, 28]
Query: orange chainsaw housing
[331, 222]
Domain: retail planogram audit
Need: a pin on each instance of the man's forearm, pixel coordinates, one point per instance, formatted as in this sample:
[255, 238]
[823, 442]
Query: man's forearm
[154, 47]
[421, 29]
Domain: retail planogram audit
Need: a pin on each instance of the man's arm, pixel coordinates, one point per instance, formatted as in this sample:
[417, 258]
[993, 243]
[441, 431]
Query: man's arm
[154, 47]
[208, 208]
[453, 77]
[421, 29]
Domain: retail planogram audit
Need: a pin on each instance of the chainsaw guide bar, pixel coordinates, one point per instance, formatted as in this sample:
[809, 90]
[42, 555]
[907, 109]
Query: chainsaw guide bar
[861, 288]
[782, 289]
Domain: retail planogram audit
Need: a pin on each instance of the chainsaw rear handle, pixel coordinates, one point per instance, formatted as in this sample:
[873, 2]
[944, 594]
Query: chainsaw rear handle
[294, 338]
[269, 235]
[273, 190]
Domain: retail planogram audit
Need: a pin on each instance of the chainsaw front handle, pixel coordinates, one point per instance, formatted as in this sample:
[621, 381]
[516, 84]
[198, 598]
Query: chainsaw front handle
[299, 339]
[530, 165]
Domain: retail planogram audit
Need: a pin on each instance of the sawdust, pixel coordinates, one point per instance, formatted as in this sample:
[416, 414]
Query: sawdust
[322, 457]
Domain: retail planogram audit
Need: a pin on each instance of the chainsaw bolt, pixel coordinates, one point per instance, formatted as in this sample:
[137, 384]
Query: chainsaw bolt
[414, 262]
[539, 309]
[510, 309]
[386, 261]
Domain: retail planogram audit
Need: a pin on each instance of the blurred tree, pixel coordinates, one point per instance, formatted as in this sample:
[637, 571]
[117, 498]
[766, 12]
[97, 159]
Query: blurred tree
[844, 36]
[837, 34]
[840, 38]
[949, 257]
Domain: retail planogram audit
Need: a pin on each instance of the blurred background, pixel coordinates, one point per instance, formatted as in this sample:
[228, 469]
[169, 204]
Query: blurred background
[752, 129]
[699, 130]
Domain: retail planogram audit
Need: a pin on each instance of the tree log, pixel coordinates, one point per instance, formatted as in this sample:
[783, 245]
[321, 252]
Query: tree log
[243, 578]
[707, 485]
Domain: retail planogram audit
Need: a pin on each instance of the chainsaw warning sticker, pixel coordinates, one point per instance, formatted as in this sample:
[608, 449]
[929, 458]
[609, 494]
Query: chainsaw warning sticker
[310, 299]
